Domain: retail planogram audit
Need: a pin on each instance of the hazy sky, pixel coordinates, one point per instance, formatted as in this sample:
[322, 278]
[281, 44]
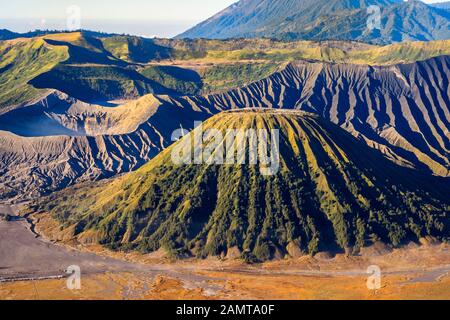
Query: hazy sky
[143, 17]
[163, 18]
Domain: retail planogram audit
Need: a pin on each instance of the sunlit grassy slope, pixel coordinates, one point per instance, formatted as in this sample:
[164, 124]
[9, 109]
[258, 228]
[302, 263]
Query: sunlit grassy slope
[331, 193]
[70, 62]
[270, 50]
[325, 19]
[180, 80]
[338, 52]
[95, 67]
[236, 62]
[20, 62]
[234, 75]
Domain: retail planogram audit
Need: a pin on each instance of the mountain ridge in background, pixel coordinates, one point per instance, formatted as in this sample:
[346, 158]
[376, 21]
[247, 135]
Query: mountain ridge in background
[365, 143]
[324, 20]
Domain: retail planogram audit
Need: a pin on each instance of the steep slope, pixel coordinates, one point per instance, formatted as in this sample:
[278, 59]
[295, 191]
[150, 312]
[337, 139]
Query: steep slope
[136, 49]
[181, 80]
[59, 141]
[402, 110]
[442, 5]
[222, 78]
[81, 65]
[75, 63]
[322, 20]
[411, 21]
[404, 52]
[93, 74]
[20, 61]
[331, 193]
[8, 35]
[98, 83]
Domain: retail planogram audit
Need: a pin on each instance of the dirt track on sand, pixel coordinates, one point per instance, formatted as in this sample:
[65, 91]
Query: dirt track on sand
[412, 273]
[25, 256]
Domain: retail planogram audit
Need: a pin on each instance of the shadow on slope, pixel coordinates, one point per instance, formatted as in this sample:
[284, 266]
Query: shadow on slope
[98, 84]
[332, 193]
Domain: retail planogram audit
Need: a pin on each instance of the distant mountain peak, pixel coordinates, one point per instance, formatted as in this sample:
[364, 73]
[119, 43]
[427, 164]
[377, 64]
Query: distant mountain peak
[321, 19]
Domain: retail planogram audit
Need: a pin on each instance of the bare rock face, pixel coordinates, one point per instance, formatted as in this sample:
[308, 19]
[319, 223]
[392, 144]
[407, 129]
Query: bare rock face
[234, 253]
[294, 250]
[377, 249]
[402, 111]
[323, 256]
[429, 241]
